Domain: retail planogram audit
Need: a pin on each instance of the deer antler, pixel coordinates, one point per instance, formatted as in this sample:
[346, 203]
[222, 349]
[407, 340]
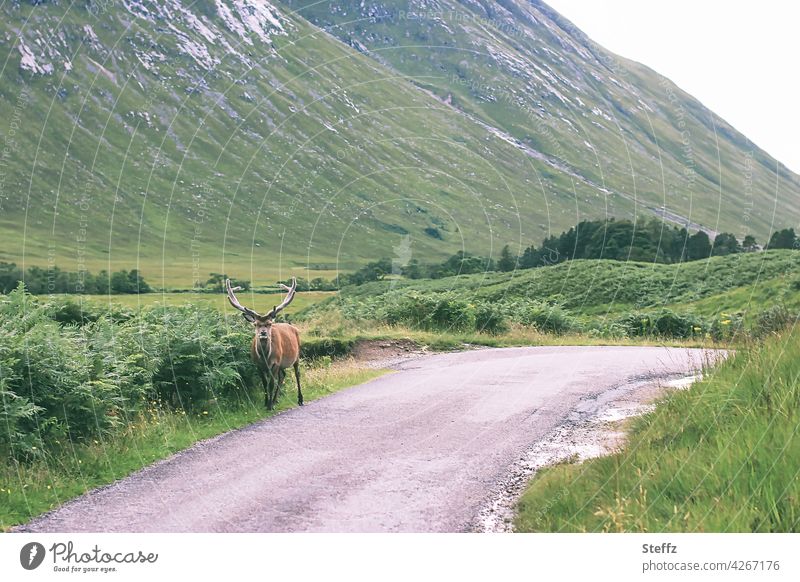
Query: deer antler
[287, 300]
[249, 314]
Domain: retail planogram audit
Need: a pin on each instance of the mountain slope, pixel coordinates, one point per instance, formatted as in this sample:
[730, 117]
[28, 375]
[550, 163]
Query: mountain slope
[528, 72]
[165, 133]
[184, 138]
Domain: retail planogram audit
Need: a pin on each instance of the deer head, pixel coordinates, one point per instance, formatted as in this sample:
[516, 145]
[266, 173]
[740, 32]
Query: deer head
[261, 323]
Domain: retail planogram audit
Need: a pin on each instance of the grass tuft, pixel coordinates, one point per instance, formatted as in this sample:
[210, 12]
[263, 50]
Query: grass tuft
[719, 457]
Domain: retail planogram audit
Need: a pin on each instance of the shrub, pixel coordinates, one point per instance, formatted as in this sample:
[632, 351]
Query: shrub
[68, 311]
[636, 324]
[451, 313]
[605, 329]
[727, 326]
[490, 318]
[666, 323]
[70, 382]
[16, 412]
[773, 319]
[415, 310]
[317, 349]
[428, 311]
[669, 324]
[547, 318]
[201, 358]
[56, 385]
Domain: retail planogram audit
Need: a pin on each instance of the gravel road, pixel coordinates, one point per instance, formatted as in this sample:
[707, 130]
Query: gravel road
[416, 450]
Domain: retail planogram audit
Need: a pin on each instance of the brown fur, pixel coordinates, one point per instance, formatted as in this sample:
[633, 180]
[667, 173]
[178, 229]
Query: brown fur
[274, 354]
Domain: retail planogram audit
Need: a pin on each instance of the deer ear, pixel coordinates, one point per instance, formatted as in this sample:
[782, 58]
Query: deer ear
[248, 317]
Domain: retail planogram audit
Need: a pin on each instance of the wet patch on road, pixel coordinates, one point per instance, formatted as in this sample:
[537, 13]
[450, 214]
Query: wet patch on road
[596, 427]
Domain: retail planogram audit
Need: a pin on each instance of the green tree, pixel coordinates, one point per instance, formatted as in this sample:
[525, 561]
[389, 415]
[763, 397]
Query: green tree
[302, 284]
[136, 282]
[413, 270]
[374, 271]
[320, 284]
[530, 258]
[10, 276]
[35, 280]
[749, 244]
[726, 244]
[698, 246]
[103, 283]
[783, 239]
[121, 283]
[508, 261]
[216, 281]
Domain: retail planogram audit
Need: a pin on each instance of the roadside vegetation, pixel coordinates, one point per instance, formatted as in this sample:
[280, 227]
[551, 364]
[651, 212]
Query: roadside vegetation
[88, 396]
[720, 457]
[720, 299]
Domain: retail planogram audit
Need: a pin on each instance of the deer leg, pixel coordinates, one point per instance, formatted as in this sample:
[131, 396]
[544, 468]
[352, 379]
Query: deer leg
[265, 381]
[297, 377]
[275, 373]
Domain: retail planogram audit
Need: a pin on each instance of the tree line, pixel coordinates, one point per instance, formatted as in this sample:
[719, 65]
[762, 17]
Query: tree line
[43, 281]
[621, 240]
[645, 240]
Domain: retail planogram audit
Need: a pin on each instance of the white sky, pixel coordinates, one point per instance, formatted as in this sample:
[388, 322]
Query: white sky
[740, 59]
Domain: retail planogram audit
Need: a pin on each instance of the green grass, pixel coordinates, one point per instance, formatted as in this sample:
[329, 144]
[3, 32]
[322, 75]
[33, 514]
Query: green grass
[718, 298]
[721, 456]
[29, 489]
[259, 301]
[599, 287]
[517, 336]
[587, 288]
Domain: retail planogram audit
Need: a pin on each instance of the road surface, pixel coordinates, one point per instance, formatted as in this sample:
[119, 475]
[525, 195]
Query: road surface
[415, 450]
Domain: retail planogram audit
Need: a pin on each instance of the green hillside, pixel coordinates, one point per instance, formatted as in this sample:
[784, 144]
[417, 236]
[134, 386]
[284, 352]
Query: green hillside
[267, 149]
[742, 282]
[183, 138]
[529, 74]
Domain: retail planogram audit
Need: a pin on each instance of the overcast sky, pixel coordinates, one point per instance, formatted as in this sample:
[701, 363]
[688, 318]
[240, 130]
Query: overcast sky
[740, 59]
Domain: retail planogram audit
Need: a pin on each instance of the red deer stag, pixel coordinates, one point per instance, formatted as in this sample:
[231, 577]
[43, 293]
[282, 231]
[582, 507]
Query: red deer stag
[275, 347]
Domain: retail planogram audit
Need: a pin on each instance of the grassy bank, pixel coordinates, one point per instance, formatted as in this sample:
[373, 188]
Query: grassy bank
[719, 457]
[720, 299]
[599, 286]
[516, 336]
[28, 489]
